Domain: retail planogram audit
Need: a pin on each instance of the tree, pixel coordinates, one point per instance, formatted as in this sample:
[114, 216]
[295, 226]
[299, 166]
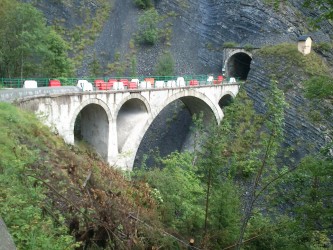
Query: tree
[265, 158]
[181, 193]
[148, 30]
[28, 46]
[95, 66]
[57, 63]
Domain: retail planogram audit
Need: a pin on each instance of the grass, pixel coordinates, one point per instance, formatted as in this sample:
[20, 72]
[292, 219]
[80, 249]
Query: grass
[311, 64]
[52, 194]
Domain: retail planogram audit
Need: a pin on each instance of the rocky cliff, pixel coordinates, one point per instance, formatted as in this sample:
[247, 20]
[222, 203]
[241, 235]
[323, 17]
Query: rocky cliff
[199, 28]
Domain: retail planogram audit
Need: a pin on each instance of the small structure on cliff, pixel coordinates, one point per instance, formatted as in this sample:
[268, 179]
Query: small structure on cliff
[304, 44]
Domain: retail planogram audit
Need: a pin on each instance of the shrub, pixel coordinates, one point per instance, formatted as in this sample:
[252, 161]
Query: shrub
[165, 66]
[143, 4]
[319, 87]
[229, 44]
[148, 30]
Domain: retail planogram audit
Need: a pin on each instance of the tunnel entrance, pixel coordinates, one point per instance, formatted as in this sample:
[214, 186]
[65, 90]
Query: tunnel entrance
[92, 126]
[238, 65]
[131, 118]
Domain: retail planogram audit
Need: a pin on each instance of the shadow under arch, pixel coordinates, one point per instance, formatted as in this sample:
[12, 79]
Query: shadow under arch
[226, 99]
[238, 65]
[196, 103]
[171, 128]
[91, 122]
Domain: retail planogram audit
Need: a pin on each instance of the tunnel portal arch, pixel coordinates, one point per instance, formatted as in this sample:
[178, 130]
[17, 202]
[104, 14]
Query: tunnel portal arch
[238, 63]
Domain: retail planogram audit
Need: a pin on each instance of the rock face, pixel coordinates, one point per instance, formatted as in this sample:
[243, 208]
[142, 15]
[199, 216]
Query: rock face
[199, 30]
[304, 133]
[5, 238]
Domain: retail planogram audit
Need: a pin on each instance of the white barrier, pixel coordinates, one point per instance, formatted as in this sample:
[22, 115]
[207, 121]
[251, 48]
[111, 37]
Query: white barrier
[181, 82]
[170, 84]
[30, 84]
[159, 84]
[118, 86]
[232, 80]
[145, 85]
[84, 85]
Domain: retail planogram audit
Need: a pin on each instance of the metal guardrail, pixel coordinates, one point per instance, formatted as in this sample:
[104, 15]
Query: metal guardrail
[44, 82]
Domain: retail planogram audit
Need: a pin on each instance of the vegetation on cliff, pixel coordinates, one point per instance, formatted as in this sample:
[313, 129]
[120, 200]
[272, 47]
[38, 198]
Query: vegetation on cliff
[56, 196]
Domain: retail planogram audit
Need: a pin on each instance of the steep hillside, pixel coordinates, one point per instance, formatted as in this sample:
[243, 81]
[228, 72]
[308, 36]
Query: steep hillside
[308, 120]
[55, 196]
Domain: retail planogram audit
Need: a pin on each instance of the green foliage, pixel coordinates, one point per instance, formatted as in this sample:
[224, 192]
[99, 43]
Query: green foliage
[165, 65]
[29, 47]
[148, 30]
[309, 198]
[22, 198]
[310, 64]
[319, 87]
[230, 44]
[323, 46]
[180, 191]
[325, 7]
[143, 4]
[248, 47]
[57, 63]
[95, 66]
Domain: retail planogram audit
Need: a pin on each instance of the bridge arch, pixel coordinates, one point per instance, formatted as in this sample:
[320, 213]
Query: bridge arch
[238, 64]
[226, 99]
[92, 121]
[132, 115]
[197, 102]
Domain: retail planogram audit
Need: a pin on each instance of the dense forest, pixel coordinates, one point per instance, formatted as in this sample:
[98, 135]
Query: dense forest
[241, 187]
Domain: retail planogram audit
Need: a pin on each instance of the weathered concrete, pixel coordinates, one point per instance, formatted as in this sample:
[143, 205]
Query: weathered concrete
[6, 241]
[115, 122]
[10, 95]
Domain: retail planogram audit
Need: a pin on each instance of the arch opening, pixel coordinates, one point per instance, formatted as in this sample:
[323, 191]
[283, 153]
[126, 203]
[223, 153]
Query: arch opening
[92, 126]
[225, 101]
[131, 118]
[171, 130]
[239, 65]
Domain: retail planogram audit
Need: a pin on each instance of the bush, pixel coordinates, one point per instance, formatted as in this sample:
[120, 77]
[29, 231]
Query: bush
[165, 66]
[143, 4]
[148, 30]
[319, 87]
[230, 45]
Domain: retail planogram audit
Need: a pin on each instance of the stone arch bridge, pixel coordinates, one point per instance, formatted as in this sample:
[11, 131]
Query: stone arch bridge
[114, 122]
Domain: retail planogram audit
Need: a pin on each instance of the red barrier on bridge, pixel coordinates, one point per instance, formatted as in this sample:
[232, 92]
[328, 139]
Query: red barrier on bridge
[54, 83]
[132, 85]
[151, 80]
[125, 82]
[194, 83]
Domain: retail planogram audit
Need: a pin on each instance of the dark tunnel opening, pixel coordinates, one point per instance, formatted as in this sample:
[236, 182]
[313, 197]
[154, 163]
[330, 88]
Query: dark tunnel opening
[239, 65]
[226, 100]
